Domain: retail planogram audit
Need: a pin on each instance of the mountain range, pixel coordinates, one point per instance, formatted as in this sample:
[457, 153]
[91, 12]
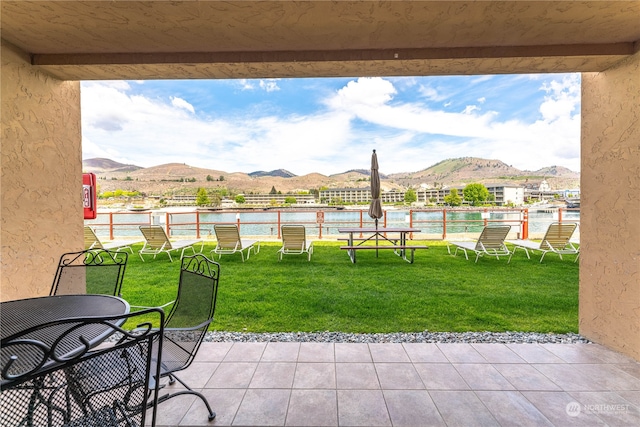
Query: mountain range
[180, 178]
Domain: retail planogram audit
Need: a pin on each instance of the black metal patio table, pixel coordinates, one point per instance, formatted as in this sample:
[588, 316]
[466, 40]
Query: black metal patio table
[19, 316]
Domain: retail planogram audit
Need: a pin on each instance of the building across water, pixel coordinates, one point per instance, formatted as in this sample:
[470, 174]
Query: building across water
[358, 195]
[503, 195]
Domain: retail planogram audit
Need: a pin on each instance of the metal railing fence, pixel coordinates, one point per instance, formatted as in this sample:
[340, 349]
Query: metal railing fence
[266, 223]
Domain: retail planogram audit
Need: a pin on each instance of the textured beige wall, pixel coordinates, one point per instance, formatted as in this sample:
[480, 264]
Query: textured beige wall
[40, 210]
[610, 207]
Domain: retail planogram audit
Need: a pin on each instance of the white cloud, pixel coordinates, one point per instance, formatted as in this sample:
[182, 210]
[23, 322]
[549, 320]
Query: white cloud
[562, 98]
[114, 84]
[153, 133]
[552, 140]
[92, 150]
[470, 109]
[356, 118]
[431, 94]
[481, 79]
[181, 103]
[269, 85]
[364, 92]
[245, 84]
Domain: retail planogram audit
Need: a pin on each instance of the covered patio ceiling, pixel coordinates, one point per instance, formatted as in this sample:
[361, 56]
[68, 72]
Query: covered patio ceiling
[75, 40]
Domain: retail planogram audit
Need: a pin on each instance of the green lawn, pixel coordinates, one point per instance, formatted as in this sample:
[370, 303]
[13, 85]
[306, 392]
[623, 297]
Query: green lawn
[438, 292]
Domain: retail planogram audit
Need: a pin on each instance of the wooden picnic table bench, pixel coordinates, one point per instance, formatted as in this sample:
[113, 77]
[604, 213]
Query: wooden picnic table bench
[399, 250]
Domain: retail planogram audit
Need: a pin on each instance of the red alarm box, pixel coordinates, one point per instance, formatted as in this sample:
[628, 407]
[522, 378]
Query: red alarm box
[89, 196]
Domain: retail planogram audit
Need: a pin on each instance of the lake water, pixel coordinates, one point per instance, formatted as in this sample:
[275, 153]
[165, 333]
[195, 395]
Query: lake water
[265, 223]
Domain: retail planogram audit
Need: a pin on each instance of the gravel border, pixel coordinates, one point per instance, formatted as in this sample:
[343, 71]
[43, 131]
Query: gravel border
[412, 337]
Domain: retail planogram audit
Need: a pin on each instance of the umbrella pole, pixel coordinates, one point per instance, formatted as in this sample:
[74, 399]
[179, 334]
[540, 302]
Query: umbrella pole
[376, 237]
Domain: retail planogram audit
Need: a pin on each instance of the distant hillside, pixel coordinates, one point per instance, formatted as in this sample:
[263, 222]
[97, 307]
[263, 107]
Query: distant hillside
[361, 171]
[101, 165]
[557, 171]
[352, 172]
[180, 178]
[461, 171]
[279, 172]
[462, 168]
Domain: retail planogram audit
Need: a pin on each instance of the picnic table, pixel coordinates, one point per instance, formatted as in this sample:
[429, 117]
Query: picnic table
[371, 237]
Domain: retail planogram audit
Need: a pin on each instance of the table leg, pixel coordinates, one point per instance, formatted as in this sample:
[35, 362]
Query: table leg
[351, 252]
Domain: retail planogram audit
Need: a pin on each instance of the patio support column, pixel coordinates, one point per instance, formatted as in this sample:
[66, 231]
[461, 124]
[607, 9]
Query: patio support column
[610, 207]
[40, 208]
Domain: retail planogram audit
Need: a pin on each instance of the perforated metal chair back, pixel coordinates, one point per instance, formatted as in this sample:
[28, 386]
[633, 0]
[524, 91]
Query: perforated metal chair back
[90, 271]
[45, 384]
[188, 322]
[192, 312]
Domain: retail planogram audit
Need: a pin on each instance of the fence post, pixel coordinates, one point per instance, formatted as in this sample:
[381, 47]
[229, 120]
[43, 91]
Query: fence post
[360, 221]
[197, 224]
[167, 220]
[560, 215]
[444, 224]
[110, 225]
[279, 223]
[525, 224]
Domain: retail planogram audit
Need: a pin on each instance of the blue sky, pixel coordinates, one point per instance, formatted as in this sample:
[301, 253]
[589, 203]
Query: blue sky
[330, 125]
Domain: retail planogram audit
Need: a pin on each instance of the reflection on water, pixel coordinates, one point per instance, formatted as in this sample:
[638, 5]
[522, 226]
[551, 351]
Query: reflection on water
[265, 223]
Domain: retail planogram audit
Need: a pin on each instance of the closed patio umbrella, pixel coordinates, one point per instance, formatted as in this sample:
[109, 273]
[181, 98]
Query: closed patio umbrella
[375, 208]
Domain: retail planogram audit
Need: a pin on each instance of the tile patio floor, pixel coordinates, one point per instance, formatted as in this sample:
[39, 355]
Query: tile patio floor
[326, 384]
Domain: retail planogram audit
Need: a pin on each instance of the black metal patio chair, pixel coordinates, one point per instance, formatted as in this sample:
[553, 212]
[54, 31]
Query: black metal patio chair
[94, 271]
[46, 369]
[188, 321]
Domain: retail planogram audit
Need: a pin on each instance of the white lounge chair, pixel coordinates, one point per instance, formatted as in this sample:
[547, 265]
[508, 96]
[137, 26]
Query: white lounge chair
[92, 242]
[557, 239]
[157, 241]
[294, 241]
[490, 243]
[229, 242]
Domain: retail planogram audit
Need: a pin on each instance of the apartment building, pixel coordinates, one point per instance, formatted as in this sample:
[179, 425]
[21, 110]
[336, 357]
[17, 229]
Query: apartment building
[346, 195]
[266, 199]
[503, 194]
[359, 195]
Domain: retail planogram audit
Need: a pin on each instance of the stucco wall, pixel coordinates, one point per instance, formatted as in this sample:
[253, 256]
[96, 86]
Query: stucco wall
[610, 207]
[41, 215]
